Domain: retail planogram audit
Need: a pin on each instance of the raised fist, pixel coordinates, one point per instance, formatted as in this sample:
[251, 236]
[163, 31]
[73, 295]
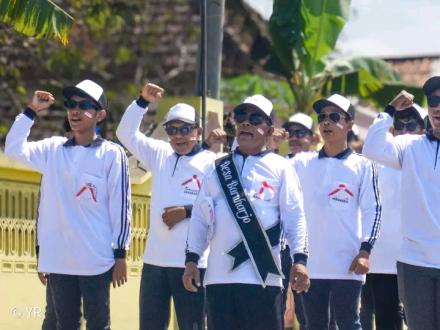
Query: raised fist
[41, 100]
[216, 137]
[152, 92]
[403, 100]
[278, 136]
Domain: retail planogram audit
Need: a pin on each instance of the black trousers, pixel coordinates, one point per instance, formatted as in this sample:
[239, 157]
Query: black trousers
[67, 291]
[419, 289]
[286, 264]
[380, 303]
[158, 285]
[50, 318]
[345, 297]
[244, 307]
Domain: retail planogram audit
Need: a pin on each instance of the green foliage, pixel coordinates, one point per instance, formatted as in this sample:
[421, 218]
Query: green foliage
[38, 18]
[278, 91]
[304, 34]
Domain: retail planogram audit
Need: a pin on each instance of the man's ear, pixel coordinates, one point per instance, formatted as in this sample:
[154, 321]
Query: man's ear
[199, 131]
[270, 131]
[350, 124]
[101, 115]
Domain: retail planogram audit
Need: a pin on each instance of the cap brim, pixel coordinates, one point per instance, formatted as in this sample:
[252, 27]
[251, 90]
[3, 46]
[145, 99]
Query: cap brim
[70, 91]
[253, 106]
[431, 85]
[290, 123]
[186, 121]
[320, 104]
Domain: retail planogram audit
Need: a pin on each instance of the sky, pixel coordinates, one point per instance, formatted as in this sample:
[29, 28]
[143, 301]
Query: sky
[385, 28]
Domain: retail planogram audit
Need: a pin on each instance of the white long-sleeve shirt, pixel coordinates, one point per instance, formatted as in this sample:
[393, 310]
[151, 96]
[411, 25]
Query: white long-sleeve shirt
[384, 255]
[176, 182]
[212, 221]
[418, 158]
[84, 212]
[342, 208]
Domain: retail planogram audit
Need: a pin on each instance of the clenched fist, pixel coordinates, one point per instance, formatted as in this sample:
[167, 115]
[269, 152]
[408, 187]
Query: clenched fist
[215, 137]
[402, 101]
[152, 92]
[171, 216]
[41, 100]
[299, 278]
[278, 136]
[361, 263]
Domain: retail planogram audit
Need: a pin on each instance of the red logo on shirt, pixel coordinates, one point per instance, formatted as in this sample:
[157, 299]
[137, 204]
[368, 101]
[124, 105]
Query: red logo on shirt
[192, 185]
[266, 191]
[88, 187]
[341, 187]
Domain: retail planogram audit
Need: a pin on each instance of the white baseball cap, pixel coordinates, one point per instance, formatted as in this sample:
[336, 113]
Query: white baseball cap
[302, 119]
[336, 100]
[182, 112]
[259, 101]
[87, 88]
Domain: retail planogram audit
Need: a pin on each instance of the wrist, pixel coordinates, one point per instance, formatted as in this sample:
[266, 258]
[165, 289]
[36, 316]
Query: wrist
[390, 109]
[142, 102]
[192, 257]
[30, 112]
[119, 253]
[205, 145]
[366, 247]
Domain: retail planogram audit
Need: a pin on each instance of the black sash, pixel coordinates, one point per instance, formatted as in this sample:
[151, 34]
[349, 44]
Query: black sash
[257, 243]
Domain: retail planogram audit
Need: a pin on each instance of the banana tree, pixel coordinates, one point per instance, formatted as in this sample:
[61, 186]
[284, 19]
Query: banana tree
[38, 18]
[304, 34]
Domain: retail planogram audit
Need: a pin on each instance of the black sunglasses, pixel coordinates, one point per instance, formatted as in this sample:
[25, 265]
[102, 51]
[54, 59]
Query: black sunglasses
[334, 117]
[254, 118]
[410, 126]
[433, 101]
[183, 130]
[82, 105]
[299, 133]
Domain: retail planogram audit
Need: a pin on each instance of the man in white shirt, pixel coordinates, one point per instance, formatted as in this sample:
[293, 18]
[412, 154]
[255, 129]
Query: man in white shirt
[84, 211]
[342, 208]
[239, 212]
[178, 168]
[380, 304]
[418, 267]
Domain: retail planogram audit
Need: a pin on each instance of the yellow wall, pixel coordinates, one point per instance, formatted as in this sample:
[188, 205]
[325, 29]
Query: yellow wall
[22, 296]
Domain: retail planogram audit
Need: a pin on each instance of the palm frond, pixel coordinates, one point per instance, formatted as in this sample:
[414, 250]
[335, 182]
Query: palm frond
[38, 18]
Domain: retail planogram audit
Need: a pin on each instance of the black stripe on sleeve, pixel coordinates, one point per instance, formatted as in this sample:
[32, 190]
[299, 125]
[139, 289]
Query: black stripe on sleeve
[376, 225]
[124, 207]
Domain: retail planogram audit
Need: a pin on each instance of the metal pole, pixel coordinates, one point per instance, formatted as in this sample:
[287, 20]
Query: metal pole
[203, 65]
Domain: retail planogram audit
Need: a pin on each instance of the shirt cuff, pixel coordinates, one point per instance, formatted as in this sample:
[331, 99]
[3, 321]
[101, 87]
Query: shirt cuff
[188, 210]
[389, 109]
[143, 103]
[192, 257]
[28, 112]
[120, 253]
[300, 258]
[365, 246]
[205, 146]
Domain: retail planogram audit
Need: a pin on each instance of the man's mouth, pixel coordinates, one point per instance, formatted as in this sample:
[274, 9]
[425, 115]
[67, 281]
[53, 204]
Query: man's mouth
[244, 133]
